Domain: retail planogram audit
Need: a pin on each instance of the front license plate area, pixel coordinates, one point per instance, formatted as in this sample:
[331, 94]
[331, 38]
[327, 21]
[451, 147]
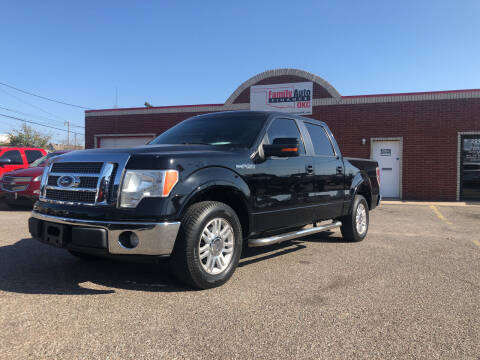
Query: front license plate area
[53, 234]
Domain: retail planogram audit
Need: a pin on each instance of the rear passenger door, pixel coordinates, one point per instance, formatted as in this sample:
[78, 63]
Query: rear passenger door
[329, 174]
[33, 155]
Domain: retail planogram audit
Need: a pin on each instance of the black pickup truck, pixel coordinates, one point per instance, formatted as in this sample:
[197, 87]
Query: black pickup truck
[202, 190]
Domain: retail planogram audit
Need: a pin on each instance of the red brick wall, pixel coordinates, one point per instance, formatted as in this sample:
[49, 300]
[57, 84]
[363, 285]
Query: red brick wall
[130, 124]
[429, 130]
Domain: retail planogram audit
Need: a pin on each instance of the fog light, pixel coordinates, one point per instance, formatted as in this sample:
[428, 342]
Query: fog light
[128, 239]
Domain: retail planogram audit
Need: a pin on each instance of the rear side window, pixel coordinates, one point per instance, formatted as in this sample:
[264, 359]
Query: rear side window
[282, 128]
[321, 143]
[14, 156]
[33, 155]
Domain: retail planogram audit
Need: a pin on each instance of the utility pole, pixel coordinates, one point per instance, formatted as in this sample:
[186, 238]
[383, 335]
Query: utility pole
[68, 132]
[75, 140]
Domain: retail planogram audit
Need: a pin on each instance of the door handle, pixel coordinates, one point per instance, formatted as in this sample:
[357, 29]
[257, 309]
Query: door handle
[309, 169]
[339, 169]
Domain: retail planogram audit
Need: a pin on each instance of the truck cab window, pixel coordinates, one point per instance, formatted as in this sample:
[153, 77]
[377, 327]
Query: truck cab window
[321, 143]
[33, 155]
[14, 156]
[285, 128]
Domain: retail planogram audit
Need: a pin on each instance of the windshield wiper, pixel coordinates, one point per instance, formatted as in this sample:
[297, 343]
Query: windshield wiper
[194, 143]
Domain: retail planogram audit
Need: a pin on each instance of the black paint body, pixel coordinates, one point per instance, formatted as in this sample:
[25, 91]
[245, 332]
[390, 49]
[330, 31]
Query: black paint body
[276, 193]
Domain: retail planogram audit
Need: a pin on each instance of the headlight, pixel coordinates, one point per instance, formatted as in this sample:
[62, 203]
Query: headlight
[38, 178]
[138, 184]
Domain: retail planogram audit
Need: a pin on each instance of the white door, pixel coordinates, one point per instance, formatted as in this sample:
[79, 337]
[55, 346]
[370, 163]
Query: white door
[387, 153]
[123, 141]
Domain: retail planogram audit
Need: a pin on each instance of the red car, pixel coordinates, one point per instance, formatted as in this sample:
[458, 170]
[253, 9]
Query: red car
[22, 187]
[13, 158]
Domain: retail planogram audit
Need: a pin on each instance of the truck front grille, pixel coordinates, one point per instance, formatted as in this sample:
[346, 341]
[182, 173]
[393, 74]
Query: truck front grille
[91, 183]
[16, 179]
[11, 187]
[77, 168]
[71, 196]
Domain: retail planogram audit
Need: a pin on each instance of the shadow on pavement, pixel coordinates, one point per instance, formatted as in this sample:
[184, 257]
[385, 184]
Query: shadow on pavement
[324, 237]
[5, 207]
[30, 267]
[256, 254]
[33, 268]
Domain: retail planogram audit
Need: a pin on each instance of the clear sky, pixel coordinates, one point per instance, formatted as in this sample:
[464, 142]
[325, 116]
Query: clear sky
[194, 52]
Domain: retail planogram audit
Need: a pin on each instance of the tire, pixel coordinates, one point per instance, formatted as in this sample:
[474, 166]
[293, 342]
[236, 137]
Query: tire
[83, 256]
[350, 230]
[196, 249]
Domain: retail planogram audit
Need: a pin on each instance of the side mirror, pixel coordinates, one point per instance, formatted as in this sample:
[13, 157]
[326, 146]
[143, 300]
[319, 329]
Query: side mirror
[5, 161]
[281, 147]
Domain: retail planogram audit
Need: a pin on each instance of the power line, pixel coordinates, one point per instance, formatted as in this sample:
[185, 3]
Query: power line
[35, 106]
[36, 123]
[44, 97]
[35, 115]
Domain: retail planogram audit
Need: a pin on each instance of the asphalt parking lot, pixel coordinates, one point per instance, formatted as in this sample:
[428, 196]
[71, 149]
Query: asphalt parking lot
[410, 290]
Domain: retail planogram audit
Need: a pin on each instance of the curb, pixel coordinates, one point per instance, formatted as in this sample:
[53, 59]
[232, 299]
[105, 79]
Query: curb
[429, 203]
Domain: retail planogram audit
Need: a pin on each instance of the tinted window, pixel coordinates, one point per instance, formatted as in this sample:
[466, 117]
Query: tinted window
[282, 128]
[14, 156]
[239, 130]
[320, 140]
[41, 161]
[33, 155]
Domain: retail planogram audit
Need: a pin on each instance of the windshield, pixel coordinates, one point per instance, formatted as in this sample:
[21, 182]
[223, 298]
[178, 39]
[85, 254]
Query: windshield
[233, 129]
[41, 161]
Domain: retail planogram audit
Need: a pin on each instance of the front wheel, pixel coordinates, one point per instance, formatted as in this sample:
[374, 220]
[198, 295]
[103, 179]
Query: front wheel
[208, 246]
[355, 225]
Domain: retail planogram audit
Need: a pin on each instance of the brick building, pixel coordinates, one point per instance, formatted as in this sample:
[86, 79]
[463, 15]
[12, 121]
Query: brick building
[427, 144]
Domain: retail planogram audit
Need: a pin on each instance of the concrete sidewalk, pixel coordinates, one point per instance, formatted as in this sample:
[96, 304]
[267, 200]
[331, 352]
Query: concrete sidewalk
[428, 203]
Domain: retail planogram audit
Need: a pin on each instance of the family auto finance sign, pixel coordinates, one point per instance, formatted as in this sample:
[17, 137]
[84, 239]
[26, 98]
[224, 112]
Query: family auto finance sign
[295, 98]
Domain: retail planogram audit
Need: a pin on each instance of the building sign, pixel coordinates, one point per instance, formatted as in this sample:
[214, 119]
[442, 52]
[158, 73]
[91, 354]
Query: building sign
[294, 98]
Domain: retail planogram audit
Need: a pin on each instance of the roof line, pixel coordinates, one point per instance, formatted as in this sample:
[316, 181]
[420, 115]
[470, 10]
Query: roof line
[411, 93]
[342, 97]
[152, 107]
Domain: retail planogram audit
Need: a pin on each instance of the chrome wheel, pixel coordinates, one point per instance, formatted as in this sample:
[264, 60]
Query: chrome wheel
[216, 246]
[361, 219]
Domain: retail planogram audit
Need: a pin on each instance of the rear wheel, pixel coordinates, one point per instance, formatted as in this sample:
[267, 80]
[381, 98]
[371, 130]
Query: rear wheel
[355, 226]
[209, 244]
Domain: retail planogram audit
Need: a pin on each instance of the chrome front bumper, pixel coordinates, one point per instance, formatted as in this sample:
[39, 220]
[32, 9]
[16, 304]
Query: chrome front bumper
[154, 238]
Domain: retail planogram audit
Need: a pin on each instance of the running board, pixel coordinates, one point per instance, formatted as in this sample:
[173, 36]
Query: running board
[292, 235]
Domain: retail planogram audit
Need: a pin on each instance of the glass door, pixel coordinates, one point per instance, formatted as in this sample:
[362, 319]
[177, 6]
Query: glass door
[470, 168]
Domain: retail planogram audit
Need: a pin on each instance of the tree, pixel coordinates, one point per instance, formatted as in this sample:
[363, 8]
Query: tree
[27, 136]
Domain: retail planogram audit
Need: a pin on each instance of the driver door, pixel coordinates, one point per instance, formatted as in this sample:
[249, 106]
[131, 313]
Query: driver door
[281, 185]
[16, 161]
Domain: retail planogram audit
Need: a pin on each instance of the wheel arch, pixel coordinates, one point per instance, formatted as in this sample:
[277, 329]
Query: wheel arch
[361, 185]
[231, 190]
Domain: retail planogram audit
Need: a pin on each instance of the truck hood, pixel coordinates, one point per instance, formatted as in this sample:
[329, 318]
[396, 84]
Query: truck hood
[33, 172]
[159, 150]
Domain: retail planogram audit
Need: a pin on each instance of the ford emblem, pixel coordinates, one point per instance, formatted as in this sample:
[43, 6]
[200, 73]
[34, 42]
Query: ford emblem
[68, 181]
